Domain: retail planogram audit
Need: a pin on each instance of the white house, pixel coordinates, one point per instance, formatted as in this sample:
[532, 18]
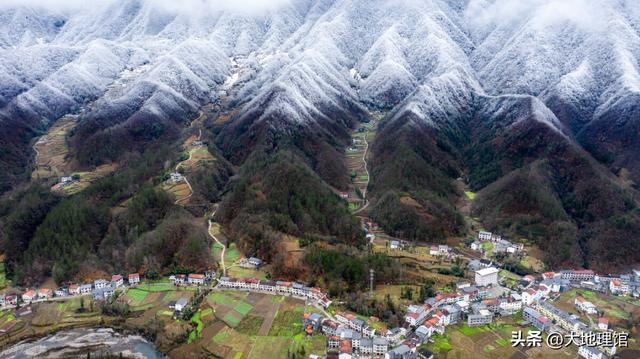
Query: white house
[590, 352]
[28, 296]
[175, 177]
[487, 276]
[180, 304]
[117, 281]
[585, 306]
[484, 236]
[85, 289]
[134, 278]
[196, 279]
[100, 284]
[475, 246]
[619, 287]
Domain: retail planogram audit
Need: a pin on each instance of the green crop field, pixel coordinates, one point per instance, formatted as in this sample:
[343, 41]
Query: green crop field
[286, 324]
[137, 294]
[157, 287]
[231, 319]
[243, 308]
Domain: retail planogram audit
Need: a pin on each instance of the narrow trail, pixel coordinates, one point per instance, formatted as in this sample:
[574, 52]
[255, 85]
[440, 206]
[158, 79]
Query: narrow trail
[224, 248]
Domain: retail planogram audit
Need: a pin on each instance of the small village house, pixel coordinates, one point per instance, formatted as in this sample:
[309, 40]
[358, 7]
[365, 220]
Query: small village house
[196, 279]
[117, 281]
[134, 279]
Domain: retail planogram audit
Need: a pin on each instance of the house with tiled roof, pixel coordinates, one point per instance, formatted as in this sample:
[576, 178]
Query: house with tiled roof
[196, 279]
[134, 278]
[585, 306]
[603, 323]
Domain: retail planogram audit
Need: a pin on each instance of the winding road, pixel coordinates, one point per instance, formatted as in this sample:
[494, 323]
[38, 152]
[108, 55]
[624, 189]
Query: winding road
[366, 169]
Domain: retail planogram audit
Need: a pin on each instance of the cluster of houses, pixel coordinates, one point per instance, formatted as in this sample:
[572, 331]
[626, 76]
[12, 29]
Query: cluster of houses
[101, 289]
[500, 245]
[471, 304]
[193, 279]
[347, 336]
[276, 287]
[439, 250]
[351, 337]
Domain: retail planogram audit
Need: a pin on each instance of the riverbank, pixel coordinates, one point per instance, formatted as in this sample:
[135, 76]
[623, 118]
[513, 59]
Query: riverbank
[81, 342]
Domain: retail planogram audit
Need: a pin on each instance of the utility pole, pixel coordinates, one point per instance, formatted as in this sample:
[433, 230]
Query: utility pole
[371, 275]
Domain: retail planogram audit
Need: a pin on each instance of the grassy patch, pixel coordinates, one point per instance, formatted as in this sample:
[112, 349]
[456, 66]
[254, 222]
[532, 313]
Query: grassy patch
[470, 331]
[157, 287]
[470, 195]
[231, 320]
[195, 334]
[441, 344]
[243, 308]
[502, 342]
[221, 336]
[137, 294]
[232, 254]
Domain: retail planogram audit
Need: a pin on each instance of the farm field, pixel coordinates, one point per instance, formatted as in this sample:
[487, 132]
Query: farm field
[490, 342]
[52, 150]
[253, 325]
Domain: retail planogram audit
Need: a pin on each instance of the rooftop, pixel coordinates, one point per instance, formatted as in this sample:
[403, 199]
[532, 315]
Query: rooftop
[487, 271]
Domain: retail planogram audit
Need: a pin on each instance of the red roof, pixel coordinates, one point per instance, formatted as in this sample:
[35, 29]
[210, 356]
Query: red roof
[134, 275]
[413, 315]
[116, 277]
[345, 347]
[616, 282]
[580, 299]
[196, 276]
[73, 287]
[603, 320]
[543, 319]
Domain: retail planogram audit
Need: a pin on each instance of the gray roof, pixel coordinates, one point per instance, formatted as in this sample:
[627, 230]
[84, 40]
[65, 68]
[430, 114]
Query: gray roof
[182, 302]
[380, 341]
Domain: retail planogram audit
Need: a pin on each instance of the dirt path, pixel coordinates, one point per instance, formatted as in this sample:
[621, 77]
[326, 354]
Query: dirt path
[224, 248]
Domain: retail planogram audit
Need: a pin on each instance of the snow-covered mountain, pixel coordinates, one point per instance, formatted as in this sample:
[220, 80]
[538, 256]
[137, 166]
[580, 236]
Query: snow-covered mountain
[534, 102]
[304, 62]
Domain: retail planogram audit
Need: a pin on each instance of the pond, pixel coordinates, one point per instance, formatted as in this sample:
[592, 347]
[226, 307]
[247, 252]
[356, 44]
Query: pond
[80, 342]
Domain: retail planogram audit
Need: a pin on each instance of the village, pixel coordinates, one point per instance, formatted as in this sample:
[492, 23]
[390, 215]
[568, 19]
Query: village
[349, 335]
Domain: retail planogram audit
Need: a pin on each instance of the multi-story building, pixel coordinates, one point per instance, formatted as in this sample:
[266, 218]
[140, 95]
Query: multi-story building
[487, 276]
